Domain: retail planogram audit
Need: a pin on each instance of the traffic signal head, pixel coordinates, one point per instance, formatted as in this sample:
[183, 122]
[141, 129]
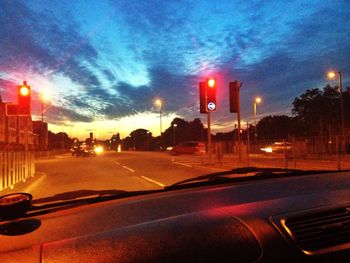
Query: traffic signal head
[24, 99]
[207, 95]
[202, 97]
[211, 94]
[234, 96]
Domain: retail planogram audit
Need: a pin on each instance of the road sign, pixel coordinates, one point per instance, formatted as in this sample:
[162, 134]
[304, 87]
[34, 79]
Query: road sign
[211, 106]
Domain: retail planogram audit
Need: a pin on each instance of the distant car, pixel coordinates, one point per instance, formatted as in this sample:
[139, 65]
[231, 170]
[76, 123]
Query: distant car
[278, 147]
[84, 150]
[190, 147]
[75, 150]
[98, 149]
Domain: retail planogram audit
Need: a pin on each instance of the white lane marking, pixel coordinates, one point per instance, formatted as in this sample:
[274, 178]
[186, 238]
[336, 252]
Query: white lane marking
[183, 164]
[152, 181]
[128, 168]
[125, 167]
[211, 168]
[30, 188]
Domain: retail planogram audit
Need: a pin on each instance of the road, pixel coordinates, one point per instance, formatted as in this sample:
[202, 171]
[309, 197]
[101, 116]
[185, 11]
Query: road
[67, 177]
[127, 171]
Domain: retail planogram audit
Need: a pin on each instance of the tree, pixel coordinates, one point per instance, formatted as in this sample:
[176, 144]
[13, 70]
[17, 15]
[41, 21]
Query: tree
[59, 140]
[139, 139]
[276, 127]
[184, 131]
[317, 110]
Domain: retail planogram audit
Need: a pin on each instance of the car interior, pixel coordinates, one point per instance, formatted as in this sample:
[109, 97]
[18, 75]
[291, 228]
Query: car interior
[289, 219]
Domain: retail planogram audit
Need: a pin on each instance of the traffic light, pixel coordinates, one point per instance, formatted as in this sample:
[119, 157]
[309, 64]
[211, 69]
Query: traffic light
[202, 97]
[24, 99]
[207, 95]
[234, 96]
[211, 94]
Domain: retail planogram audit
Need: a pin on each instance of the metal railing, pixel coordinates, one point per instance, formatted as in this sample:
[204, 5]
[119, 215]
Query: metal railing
[299, 153]
[15, 167]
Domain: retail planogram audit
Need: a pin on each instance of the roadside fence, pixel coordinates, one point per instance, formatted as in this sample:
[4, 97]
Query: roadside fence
[330, 153]
[15, 166]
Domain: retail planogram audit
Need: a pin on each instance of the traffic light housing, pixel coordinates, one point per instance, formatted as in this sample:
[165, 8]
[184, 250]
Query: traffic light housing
[202, 97]
[24, 99]
[234, 96]
[207, 95]
[211, 94]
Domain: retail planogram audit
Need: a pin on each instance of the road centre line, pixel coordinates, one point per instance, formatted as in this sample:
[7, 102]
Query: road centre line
[200, 166]
[183, 164]
[211, 168]
[125, 167]
[152, 181]
[128, 168]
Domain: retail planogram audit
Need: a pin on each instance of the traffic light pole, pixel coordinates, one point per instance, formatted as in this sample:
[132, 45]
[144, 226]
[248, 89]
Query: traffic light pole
[160, 126]
[239, 127]
[209, 138]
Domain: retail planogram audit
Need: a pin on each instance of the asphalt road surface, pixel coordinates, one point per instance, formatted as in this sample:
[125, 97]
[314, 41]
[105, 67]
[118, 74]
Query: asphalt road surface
[73, 176]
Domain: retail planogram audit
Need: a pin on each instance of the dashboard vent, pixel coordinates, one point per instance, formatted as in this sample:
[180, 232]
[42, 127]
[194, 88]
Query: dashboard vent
[320, 231]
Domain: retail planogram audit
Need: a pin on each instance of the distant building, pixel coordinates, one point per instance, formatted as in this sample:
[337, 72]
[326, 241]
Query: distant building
[41, 131]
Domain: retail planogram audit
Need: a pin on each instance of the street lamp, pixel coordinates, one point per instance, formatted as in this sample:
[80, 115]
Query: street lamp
[174, 125]
[257, 100]
[332, 75]
[44, 96]
[159, 103]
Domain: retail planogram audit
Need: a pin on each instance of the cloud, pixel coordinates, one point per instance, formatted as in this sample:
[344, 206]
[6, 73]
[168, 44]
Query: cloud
[9, 89]
[39, 43]
[61, 115]
[168, 47]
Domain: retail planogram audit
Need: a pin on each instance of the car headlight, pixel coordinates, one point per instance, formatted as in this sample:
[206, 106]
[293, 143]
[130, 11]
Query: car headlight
[267, 149]
[99, 150]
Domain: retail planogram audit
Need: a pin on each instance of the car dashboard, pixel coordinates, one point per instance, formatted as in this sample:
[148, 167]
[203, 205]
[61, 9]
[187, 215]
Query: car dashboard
[290, 219]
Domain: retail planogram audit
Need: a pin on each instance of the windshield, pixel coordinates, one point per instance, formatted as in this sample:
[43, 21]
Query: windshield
[103, 97]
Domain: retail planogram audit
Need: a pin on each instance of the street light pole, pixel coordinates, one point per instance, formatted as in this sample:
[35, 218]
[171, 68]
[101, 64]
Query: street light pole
[341, 104]
[160, 123]
[42, 110]
[331, 75]
[174, 125]
[159, 102]
[256, 101]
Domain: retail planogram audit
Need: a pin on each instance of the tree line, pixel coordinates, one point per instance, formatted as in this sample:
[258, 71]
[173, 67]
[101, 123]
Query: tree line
[316, 112]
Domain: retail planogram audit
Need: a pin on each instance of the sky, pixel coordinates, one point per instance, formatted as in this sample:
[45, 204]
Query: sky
[102, 64]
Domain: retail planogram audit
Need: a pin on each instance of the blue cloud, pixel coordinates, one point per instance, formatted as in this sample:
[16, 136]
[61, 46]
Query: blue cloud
[140, 50]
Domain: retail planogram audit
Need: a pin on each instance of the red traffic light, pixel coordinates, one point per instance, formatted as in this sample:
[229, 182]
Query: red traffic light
[24, 90]
[211, 83]
[24, 99]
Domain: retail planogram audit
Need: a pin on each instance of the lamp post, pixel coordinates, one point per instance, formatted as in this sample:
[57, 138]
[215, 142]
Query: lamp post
[174, 125]
[159, 103]
[332, 75]
[44, 96]
[257, 100]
